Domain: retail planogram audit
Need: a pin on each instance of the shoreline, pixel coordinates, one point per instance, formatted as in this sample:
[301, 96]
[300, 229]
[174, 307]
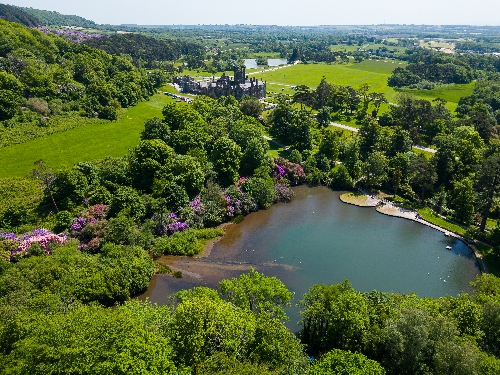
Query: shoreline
[387, 208]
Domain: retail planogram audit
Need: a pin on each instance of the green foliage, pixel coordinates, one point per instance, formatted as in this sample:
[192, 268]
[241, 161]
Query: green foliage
[225, 157]
[203, 326]
[111, 341]
[180, 243]
[260, 189]
[257, 293]
[345, 363]
[334, 316]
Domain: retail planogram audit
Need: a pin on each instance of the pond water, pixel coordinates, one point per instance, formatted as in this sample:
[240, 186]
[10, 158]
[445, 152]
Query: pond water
[250, 63]
[276, 62]
[318, 239]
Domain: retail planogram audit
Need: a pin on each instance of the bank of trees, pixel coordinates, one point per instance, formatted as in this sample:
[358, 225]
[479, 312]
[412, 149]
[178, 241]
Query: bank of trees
[459, 180]
[45, 75]
[146, 50]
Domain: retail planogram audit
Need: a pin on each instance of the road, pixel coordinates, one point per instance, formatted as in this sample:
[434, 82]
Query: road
[355, 130]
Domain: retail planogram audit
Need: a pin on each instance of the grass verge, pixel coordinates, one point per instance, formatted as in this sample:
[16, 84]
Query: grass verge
[431, 217]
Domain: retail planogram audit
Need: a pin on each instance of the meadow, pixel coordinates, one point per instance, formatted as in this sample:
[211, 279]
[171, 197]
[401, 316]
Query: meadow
[85, 143]
[373, 72]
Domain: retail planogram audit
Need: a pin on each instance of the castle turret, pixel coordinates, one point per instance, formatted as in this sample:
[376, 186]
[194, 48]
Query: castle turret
[239, 75]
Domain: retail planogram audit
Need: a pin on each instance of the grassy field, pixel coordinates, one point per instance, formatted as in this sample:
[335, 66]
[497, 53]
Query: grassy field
[451, 93]
[373, 72]
[431, 217]
[92, 142]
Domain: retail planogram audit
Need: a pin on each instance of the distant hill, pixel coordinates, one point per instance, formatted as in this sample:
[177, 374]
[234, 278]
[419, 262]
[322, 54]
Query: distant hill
[50, 18]
[14, 14]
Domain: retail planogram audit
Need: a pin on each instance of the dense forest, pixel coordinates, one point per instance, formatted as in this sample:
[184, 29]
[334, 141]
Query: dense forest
[147, 51]
[49, 18]
[43, 75]
[79, 244]
[14, 14]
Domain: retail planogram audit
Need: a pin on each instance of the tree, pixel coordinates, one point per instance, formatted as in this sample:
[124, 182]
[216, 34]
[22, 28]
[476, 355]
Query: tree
[375, 169]
[330, 143]
[410, 341]
[400, 142]
[422, 175]
[488, 185]
[225, 157]
[57, 344]
[303, 95]
[258, 293]
[204, 325]
[370, 136]
[463, 200]
[324, 116]
[301, 131]
[254, 156]
[45, 174]
[333, 316]
[322, 94]
[145, 159]
[250, 106]
[342, 362]
[154, 128]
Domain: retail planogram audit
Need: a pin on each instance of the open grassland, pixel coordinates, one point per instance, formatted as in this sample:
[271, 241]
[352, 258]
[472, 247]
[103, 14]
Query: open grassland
[451, 93]
[373, 72]
[85, 143]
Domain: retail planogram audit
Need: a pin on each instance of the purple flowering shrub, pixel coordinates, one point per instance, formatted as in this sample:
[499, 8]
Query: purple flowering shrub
[238, 202]
[70, 35]
[169, 224]
[90, 227]
[194, 213]
[21, 246]
[283, 192]
[292, 172]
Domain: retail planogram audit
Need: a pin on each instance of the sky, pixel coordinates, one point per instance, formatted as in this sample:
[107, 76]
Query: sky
[276, 12]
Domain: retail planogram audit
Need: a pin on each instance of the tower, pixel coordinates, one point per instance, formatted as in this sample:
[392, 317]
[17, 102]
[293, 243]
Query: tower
[239, 75]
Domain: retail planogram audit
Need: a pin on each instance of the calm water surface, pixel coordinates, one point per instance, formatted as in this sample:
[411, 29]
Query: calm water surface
[318, 239]
[252, 63]
[276, 62]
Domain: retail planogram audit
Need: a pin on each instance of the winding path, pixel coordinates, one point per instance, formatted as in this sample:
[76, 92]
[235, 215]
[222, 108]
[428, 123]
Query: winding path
[356, 130]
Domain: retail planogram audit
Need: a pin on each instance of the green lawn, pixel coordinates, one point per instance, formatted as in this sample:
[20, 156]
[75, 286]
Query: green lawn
[373, 72]
[276, 151]
[451, 94]
[85, 143]
[431, 217]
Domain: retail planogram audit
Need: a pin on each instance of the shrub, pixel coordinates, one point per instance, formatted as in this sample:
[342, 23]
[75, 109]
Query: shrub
[38, 105]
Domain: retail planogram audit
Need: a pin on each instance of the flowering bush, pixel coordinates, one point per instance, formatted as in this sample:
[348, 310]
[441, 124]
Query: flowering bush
[293, 172]
[89, 227]
[45, 239]
[283, 193]
[70, 35]
[238, 202]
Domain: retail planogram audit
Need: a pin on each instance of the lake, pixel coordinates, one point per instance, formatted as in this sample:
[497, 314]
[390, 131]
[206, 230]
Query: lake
[252, 63]
[318, 239]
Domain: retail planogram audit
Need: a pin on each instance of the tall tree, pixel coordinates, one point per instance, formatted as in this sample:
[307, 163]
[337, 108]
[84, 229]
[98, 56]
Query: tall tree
[47, 176]
[488, 185]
